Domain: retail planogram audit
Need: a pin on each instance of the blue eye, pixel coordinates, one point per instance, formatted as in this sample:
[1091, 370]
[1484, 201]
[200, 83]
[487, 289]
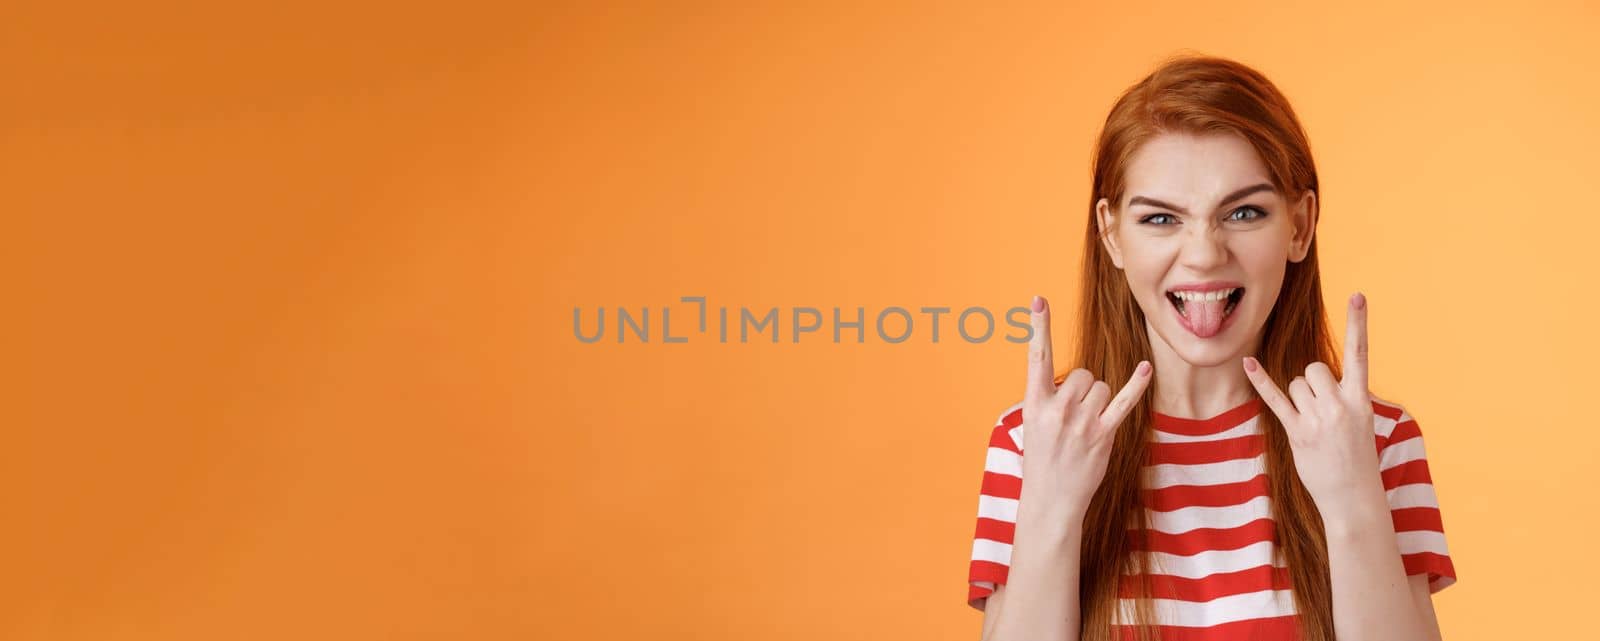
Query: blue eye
[1258, 211]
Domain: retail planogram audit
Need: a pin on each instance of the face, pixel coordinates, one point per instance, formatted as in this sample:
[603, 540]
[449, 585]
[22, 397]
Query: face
[1204, 240]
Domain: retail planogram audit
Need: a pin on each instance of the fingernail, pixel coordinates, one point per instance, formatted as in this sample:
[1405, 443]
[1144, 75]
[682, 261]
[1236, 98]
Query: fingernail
[1038, 303]
[1143, 368]
[1359, 300]
[1250, 364]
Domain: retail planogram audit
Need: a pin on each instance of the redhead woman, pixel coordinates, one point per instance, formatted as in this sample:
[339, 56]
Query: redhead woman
[1241, 481]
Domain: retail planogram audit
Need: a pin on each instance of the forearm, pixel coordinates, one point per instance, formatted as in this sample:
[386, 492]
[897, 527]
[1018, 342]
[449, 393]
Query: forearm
[1372, 600]
[1041, 601]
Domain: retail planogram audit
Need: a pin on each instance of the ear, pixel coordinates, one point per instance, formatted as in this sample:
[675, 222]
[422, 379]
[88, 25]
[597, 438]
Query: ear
[1107, 223]
[1303, 214]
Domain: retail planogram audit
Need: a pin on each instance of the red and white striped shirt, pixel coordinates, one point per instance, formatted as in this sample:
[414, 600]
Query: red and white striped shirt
[1213, 543]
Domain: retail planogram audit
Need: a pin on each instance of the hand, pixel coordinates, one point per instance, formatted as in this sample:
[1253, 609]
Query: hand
[1067, 431]
[1329, 423]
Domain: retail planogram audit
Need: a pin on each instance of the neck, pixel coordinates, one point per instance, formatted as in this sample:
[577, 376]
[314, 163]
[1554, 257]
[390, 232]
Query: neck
[1188, 390]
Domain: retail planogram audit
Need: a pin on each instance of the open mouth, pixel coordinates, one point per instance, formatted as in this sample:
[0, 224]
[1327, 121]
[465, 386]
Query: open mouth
[1205, 312]
[1232, 295]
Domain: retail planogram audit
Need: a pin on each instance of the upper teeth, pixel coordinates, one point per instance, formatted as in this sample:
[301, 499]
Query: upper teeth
[1215, 294]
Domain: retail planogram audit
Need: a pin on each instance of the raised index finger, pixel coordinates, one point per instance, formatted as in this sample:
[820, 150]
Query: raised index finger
[1280, 405]
[1041, 362]
[1355, 346]
[1128, 397]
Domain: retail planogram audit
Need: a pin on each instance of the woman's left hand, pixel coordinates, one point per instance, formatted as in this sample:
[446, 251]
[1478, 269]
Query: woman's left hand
[1329, 422]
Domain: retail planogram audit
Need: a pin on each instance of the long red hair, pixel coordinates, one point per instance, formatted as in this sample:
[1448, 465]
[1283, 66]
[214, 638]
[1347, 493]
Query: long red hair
[1198, 95]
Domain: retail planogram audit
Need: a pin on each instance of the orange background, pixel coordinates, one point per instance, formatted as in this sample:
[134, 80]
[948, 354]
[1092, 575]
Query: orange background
[293, 290]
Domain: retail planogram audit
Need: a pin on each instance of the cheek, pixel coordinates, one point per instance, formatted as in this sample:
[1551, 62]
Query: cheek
[1264, 258]
[1143, 264]
[1273, 243]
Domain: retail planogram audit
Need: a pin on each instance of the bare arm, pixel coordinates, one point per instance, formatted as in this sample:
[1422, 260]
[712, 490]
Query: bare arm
[1067, 436]
[1044, 571]
[1372, 597]
[1423, 596]
[1329, 424]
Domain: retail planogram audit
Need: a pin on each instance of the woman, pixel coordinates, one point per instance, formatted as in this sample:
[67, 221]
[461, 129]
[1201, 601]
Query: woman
[1203, 501]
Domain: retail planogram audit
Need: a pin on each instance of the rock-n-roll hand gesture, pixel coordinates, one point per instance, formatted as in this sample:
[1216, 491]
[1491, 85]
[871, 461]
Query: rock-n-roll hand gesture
[1067, 430]
[1329, 422]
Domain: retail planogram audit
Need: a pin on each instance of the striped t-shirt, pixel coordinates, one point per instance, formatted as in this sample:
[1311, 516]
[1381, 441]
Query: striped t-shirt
[1213, 571]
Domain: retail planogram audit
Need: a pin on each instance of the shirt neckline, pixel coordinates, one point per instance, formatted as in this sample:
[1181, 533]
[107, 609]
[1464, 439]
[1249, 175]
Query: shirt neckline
[1203, 426]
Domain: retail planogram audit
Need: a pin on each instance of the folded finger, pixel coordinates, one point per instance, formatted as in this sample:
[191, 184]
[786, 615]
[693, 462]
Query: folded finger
[1300, 392]
[1095, 400]
[1321, 379]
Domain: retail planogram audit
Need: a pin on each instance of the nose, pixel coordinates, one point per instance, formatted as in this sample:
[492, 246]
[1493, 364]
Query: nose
[1205, 248]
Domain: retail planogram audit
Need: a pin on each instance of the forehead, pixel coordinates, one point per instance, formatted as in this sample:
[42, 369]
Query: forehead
[1193, 169]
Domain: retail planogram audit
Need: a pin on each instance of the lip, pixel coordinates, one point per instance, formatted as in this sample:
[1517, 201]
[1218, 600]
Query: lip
[1207, 286]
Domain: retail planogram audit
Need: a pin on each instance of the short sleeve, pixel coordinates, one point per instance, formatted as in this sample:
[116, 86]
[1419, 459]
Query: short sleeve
[1413, 503]
[997, 508]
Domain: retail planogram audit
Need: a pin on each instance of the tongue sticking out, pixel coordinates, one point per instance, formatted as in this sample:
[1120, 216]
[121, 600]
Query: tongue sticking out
[1205, 317]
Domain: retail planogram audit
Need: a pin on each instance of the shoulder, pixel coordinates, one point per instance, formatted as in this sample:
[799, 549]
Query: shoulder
[1392, 423]
[1386, 414]
[1007, 431]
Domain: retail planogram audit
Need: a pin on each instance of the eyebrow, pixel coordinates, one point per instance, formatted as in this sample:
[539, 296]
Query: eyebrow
[1241, 193]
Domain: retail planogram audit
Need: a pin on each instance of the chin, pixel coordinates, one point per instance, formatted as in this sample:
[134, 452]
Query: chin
[1204, 353]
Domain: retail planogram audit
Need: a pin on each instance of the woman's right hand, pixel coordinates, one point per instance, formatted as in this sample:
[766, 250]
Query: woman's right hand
[1067, 430]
